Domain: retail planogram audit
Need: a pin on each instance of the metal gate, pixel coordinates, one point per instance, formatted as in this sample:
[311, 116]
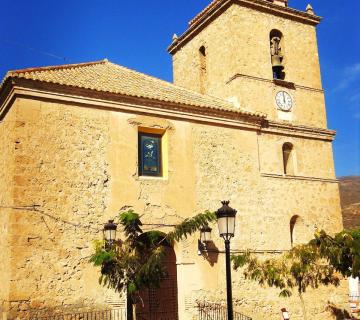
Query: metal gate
[216, 311]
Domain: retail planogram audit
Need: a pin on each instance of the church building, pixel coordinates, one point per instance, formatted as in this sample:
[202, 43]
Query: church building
[244, 120]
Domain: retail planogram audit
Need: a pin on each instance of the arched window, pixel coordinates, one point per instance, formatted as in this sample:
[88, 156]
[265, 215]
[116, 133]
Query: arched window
[293, 221]
[288, 158]
[203, 69]
[277, 54]
[300, 230]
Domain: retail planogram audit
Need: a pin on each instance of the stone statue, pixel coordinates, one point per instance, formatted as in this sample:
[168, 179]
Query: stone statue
[275, 46]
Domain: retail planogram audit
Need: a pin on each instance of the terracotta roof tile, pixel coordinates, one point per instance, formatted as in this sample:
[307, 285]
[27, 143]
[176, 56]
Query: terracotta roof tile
[106, 76]
[202, 12]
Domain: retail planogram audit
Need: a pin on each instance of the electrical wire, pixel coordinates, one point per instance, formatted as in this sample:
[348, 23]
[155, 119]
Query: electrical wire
[49, 54]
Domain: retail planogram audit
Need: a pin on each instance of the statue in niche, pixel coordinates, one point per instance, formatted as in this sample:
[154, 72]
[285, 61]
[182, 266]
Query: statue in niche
[277, 57]
[275, 46]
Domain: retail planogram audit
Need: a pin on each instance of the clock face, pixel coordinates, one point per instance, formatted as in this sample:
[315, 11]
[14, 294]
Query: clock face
[284, 101]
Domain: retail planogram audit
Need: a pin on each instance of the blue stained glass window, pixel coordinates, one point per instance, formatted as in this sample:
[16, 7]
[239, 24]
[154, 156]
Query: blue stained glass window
[149, 154]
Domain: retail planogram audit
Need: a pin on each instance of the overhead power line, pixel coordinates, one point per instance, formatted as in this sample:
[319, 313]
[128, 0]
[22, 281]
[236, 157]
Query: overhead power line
[30, 48]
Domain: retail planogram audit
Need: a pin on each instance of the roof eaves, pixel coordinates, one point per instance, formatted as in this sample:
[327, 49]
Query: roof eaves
[208, 106]
[56, 67]
[192, 98]
[20, 73]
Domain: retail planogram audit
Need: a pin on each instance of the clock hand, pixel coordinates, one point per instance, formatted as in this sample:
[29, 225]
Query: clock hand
[284, 97]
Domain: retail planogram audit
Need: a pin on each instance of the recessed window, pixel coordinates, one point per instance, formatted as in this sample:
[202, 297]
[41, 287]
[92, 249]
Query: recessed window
[293, 221]
[150, 154]
[288, 158]
[203, 69]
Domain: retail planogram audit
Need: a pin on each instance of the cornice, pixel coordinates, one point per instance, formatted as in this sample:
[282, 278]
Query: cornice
[275, 127]
[212, 12]
[302, 178]
[277, 82]
[31, 89]
[100, 100]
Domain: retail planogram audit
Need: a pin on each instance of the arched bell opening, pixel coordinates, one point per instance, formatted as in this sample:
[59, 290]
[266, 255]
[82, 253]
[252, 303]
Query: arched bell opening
[277, 54]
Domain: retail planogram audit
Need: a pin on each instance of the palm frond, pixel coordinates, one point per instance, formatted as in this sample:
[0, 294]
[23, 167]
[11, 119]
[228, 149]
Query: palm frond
[189, 226]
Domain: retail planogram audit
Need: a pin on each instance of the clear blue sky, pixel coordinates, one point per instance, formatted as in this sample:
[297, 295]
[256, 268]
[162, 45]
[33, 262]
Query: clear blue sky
[136, 34]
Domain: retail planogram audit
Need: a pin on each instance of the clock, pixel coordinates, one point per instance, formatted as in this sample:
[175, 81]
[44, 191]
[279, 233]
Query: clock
[284, 101]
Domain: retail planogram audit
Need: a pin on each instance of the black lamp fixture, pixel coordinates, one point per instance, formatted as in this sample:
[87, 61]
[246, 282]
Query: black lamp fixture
[205, 237]
[226, 222]
[109, 232]
[205, 234]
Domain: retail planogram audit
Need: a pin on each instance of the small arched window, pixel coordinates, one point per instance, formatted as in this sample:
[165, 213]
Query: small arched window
[203, 68]
[293, 221]
[288, 158]
[300, 231]
[277, 54]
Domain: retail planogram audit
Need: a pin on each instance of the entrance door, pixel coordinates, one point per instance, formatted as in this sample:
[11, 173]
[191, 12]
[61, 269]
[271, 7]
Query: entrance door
[161, 303]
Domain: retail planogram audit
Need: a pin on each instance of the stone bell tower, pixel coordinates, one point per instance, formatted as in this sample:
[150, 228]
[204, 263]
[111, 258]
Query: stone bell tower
[261, 55]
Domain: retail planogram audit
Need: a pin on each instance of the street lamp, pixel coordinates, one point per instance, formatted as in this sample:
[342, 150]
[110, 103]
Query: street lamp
[205, 237]
[109, 232]
[226, 223]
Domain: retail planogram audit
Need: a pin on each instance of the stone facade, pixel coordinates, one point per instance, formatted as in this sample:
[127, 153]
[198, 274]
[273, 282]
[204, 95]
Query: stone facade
[69, 160]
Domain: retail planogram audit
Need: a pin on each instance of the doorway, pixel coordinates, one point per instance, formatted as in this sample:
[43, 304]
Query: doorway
[161, 303]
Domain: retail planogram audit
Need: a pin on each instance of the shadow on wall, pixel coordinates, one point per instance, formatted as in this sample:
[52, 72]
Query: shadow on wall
[212, 254]
[340, 314]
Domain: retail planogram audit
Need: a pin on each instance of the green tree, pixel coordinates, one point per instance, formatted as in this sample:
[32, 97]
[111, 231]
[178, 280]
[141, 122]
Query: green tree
[320, 262]
[135, 263]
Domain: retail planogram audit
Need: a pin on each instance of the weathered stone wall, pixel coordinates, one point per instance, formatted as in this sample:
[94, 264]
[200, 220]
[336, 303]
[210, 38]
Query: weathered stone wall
[7, 147]
[227, 167]
[312, 158]
[61, 170]
[237, 42]
[79, 167]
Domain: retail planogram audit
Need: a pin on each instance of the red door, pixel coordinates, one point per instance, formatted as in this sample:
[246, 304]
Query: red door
[161, 303]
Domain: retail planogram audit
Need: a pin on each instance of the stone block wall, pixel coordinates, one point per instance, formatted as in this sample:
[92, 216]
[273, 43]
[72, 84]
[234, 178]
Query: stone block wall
[61, 173]
[76, 167]
[238, 43]
[7, 148]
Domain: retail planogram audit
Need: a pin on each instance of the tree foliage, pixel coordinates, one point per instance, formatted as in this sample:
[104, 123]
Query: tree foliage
[298, 269]
[320, 262]
[135, 263]
[341, 251]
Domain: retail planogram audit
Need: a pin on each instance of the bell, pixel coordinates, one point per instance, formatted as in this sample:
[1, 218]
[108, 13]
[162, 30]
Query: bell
[276, 61]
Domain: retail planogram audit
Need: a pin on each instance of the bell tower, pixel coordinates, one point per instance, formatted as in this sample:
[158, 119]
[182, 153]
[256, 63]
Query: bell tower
[261, 55]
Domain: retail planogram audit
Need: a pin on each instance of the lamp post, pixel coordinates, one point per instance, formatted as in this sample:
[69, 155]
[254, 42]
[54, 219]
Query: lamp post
[109, 233]
[226, 223]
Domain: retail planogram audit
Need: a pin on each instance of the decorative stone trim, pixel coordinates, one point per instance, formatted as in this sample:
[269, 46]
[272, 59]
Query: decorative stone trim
[163, 109]
[138, 106]
[287, 177]
[299, 131]
[287, 84]
[256, 251]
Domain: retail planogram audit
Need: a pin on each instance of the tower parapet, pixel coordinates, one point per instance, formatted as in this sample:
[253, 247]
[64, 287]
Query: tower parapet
[283, 3]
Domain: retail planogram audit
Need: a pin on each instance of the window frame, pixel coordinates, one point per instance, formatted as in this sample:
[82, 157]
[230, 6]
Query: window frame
[141, 171]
